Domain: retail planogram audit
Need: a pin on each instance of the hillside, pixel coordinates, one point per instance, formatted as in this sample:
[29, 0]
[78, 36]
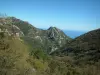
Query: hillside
[13, 57]
[27, 50]
[88, 46]
[48, 40]
[85, 48]
[16, 57]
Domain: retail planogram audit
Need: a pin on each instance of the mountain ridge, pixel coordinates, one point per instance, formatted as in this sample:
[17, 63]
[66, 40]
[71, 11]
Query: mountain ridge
[53, 37]
[27, 50]
[84, 48]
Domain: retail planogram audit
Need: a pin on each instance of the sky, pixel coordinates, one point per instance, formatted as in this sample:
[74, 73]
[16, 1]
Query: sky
[76, 15]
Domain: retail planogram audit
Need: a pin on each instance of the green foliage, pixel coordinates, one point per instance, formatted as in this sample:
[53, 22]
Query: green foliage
[39, 54]
[29, 56]
[13, 56]
[38, 64]
[2, 35]
[62, 66]
[36, 50]
[24, 26]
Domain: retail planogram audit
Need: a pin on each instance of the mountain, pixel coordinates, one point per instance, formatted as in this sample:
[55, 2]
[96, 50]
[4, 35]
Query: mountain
[48, 40]
[86, 47]
[17, 59]
[14, 54]
[27, 50]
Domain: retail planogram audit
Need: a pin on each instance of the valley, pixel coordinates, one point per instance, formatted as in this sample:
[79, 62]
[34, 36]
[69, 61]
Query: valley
[27, 50]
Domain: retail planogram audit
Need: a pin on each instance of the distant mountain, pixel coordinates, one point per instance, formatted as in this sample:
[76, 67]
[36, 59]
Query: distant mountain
[48, 40]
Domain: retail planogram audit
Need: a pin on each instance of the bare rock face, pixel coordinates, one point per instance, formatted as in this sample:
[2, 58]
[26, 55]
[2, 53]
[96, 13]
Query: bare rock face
[9, 28]
[58, 35]
[16, 31]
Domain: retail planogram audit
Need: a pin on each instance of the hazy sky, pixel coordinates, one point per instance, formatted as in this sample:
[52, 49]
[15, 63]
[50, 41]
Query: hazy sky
[81, 15]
